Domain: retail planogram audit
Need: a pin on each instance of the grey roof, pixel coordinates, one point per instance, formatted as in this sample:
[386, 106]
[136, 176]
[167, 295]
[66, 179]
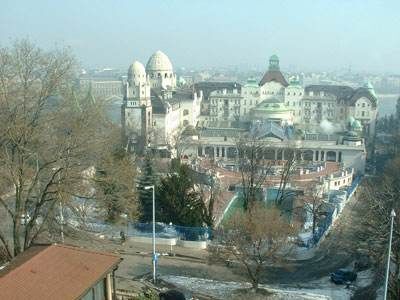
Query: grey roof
[209, 86]
[268, 129]
[220, 132]
[183, 95]
[343, 93]
[160, 104]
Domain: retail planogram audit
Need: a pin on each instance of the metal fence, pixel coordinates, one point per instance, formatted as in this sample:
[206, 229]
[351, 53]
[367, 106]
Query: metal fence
[327, 222]
[146, 230]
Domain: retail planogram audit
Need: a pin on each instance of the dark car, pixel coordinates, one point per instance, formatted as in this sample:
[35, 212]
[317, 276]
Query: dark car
[343, 276]
[172, 295]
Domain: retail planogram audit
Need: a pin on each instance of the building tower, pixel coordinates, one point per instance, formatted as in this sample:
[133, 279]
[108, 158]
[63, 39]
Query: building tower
[136, 108]
[160, 72]
[274, 63]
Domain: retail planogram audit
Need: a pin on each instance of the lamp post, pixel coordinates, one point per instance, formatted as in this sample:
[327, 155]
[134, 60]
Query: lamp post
[60, 207]
[392, 215]
[154, 232]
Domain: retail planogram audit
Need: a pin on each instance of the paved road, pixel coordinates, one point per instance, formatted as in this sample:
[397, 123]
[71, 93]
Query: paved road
[332, 254]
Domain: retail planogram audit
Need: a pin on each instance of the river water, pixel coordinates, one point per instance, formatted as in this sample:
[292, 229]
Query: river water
[387, 104]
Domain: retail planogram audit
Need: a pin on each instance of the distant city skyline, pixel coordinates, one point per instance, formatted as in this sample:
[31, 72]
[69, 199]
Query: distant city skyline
[306, 35]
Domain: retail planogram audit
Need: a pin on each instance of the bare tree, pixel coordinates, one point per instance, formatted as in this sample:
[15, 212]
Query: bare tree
[377, 199]
[288, 166]
[49, 138]
[209, 197]
[313, 203]
[252, 167]
[255, 169]
[256, 238]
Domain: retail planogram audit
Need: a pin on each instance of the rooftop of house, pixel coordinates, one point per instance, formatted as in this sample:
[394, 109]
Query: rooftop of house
[274, 75]
[208, 86]
[343, 93]
[54, 272]
[160, 103]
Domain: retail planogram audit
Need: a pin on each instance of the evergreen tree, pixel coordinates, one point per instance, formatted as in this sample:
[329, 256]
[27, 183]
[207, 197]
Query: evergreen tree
[147, 178]
[114, 181]
[178, 201]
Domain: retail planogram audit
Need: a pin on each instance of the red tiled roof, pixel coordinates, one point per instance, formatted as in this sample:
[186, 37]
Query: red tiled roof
[54, 272]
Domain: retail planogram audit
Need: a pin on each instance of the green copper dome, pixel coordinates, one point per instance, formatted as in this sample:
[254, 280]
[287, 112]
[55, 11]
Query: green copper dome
[274, 63]
[274, 57]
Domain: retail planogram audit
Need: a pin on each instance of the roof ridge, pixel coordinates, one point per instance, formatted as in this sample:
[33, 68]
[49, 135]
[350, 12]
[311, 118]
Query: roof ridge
[76, 248]
[22, 264]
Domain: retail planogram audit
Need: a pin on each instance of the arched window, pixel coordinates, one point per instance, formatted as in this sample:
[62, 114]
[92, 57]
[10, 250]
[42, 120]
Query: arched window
[308, 155]
[185, 112]
[331, 156]
[166, 75]
[269, 154]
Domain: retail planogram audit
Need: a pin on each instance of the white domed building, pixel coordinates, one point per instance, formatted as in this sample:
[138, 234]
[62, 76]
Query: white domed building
[154, 111]
[160, 71]
[136, 110]
[136, 73]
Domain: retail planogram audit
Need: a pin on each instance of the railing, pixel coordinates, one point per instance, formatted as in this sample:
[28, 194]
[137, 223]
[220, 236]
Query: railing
[146, 230]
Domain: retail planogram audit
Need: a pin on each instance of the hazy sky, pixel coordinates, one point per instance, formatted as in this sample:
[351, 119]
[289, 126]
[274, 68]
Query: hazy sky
[306, 34]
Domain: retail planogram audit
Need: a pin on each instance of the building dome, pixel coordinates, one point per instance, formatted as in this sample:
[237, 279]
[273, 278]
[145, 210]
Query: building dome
[274, 63]
[136, 73]
[137, 68]
[274, 57]
[159, 62]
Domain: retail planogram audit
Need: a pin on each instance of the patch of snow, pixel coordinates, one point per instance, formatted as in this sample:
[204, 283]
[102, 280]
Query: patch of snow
[223, 290]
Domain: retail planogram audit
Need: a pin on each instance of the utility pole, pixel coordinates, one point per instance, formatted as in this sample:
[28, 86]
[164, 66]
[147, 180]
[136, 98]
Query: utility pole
[392, 215]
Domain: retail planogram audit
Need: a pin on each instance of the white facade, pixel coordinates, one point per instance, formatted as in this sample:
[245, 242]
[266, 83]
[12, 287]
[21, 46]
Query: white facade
[154, 111]
[160, 71]
[312, 108]
[225, 105]
[339, 180]
[293, 100]
[223, 147]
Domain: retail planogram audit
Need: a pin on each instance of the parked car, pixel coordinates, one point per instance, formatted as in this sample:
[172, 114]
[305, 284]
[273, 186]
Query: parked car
[343, 276]
[172, 295]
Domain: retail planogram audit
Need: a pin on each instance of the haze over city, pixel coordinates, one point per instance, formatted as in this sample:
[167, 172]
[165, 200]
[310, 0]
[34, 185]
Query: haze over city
[307, 35]
[202, 150]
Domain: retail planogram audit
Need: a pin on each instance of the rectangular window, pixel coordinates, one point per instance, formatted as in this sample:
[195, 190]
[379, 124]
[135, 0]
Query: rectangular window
[89, 295]
[100, 290]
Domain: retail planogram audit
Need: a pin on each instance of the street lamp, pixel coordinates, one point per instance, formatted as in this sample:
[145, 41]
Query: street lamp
[61, 207]
[154, 232]
[392, 215]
